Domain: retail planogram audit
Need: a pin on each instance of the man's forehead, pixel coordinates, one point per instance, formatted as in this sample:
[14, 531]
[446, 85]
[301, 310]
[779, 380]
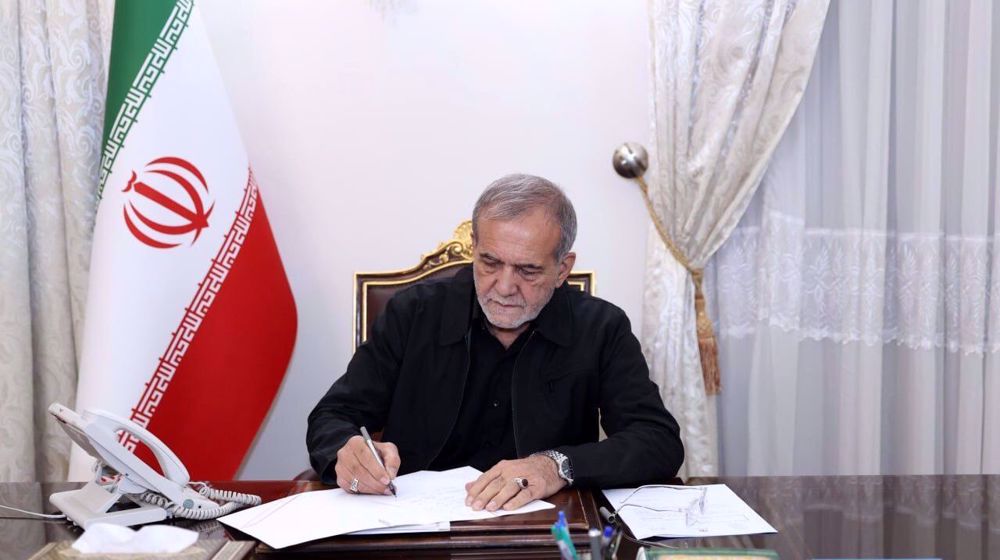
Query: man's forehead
[526, 239]
[513, 253]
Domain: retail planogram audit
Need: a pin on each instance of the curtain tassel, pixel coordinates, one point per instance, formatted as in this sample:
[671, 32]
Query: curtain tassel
[708, 347]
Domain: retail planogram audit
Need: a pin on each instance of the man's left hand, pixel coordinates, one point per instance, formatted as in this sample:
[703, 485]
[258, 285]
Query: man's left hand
[497, 488]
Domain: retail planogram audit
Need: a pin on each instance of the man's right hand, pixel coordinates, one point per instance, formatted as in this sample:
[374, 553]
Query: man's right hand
[355, 461]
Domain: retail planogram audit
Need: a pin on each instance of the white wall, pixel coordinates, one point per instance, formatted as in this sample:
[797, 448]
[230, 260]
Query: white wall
[372, 127]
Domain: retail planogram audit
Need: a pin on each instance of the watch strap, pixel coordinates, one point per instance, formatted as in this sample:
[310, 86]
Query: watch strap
[563, 465]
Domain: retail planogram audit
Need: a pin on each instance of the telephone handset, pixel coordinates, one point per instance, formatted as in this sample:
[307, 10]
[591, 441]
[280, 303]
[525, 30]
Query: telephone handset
[127, 491]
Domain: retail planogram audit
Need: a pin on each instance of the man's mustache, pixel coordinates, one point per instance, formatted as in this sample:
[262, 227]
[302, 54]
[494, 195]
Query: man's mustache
[517, 302]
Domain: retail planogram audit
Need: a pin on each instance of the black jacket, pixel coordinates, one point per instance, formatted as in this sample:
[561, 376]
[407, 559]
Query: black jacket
[408, 380]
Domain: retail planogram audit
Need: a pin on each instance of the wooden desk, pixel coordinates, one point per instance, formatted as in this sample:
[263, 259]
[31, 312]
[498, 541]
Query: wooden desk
[951, 517]
[519, 536]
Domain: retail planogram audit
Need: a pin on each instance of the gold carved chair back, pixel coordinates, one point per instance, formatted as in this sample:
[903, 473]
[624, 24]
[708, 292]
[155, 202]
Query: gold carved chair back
[373, 290]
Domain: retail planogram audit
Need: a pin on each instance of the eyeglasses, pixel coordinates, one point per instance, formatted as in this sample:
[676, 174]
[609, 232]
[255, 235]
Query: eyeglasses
[692, 512]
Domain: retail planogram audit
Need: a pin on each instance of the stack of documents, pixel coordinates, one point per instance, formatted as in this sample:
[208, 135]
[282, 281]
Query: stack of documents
[424, 501]
[685, 511]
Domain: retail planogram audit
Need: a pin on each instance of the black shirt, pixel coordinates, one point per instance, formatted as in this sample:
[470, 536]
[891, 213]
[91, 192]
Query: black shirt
[484, 432]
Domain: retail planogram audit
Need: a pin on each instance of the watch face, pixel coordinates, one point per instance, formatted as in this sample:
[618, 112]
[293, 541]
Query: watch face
[565, 471]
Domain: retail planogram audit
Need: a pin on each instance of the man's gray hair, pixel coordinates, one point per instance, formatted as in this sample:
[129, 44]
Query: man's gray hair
[513, 195]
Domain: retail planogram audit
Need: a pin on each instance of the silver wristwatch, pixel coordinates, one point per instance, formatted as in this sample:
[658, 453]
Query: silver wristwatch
[563, 466]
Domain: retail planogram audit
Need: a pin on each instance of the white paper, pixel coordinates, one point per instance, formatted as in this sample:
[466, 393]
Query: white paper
[106, 538]
[724, 514]
[422, 498]
[441, 527]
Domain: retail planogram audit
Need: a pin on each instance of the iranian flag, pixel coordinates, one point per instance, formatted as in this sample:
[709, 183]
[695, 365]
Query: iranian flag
[190, 321]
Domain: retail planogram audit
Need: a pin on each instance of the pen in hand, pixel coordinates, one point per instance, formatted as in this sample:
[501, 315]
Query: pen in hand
[371, 446]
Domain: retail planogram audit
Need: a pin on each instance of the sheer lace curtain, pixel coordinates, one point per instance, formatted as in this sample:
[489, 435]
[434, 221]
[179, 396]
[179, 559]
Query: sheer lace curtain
[727, 78]
[859, 298]
[52, 77]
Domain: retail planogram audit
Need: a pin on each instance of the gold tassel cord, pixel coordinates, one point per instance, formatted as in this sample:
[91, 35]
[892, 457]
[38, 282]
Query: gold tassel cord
[708, 347]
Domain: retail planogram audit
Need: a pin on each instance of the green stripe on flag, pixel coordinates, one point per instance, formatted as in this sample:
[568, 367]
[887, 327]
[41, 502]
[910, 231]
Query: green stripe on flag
[145, 34]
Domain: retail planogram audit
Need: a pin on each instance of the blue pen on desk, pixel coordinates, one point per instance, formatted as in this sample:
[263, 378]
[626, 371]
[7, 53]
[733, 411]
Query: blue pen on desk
[615, 542]
[606, 537]
[560, 530]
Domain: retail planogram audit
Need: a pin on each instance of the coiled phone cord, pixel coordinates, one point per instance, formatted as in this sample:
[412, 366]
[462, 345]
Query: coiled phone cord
[234, 501]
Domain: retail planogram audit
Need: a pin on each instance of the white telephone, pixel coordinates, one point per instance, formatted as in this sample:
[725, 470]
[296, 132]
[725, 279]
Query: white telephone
[127, 491]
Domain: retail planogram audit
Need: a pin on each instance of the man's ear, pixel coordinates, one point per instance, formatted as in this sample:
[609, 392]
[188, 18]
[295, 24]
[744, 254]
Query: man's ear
[565, 267]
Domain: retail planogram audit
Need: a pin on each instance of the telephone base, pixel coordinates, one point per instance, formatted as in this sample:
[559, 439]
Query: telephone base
[94, 504]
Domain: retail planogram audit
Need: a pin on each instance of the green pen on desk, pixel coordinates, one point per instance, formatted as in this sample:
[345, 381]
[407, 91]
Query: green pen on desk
[560, 530]
[569, 542]
[371, 445]
[564, 552]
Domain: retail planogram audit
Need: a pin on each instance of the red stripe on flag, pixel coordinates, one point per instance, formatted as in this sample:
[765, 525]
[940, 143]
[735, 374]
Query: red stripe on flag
[218, 396]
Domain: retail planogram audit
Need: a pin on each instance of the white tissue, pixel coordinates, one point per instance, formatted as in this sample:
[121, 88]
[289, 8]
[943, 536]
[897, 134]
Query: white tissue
[105, 538]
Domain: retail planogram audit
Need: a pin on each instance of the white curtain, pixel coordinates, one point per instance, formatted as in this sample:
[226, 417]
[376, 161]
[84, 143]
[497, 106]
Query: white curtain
[727, 78]
[858, 302]
[52, 77]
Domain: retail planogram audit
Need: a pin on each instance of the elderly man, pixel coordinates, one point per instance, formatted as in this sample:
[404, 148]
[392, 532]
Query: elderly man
[502, 367]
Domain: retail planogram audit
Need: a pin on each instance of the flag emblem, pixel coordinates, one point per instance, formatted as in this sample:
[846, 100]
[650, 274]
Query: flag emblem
[166, 206]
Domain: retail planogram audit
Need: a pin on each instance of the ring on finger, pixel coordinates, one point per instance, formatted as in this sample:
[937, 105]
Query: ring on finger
[354, 485]
[520, 482]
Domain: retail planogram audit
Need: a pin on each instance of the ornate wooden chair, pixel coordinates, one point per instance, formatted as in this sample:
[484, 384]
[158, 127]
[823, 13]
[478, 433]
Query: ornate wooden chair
[373, 290]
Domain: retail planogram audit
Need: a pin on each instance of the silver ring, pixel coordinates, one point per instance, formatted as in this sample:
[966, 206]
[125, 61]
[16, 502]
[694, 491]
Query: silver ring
[354, 486]
[521, 482]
